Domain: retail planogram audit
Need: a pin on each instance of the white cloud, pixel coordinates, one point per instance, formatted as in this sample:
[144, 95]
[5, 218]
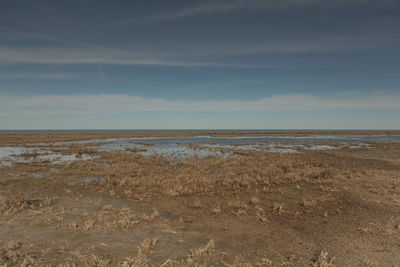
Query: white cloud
[218, 6]
[120, 103]
[34, 75]
[182, 56]
[75, 56]
[60, 51]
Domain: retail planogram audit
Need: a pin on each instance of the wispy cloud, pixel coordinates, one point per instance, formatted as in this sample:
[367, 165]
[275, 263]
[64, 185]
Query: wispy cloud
[65, 51]
[179, 56]
[120, 103]
[75, 56]
[223, 6]
[37, 75]
[56, 50]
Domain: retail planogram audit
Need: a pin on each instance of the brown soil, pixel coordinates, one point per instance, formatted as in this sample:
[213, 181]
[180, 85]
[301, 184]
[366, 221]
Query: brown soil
[317, 208]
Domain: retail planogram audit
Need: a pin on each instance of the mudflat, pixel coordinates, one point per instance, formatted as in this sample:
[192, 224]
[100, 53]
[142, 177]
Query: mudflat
[71, 204]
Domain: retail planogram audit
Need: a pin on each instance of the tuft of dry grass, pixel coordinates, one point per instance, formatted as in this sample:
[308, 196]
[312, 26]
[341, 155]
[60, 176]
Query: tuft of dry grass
[141, 260]
[69, 226]
[260, 213]
[210, 246]
[148, 245]
[309, 202]
[10, 206]
[216, 209]
[255, 200]
[197, 204]
[13, 254]
[323, 260]
[278, 208]
[107, 216]
[92, 259]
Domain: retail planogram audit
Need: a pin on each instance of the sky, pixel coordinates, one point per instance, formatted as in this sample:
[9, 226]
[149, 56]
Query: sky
[192, 64]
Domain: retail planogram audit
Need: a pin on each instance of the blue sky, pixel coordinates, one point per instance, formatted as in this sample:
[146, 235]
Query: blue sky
[260, 64]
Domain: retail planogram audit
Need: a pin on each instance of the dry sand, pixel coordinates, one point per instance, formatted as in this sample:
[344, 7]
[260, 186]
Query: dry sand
[317, 208]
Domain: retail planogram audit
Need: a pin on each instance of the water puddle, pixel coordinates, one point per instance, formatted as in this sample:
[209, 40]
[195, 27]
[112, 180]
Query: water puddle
[203, 146]
[14, 175]
[86, 180]
[177, 148]
[13, 155]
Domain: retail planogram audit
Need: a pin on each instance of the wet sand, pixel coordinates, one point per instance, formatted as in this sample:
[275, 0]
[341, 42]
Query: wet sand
[337, 207]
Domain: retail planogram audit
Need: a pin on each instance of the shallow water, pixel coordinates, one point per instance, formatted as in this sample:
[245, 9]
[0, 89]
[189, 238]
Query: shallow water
[177, 148]
[205, 145]
[243, 140]
[13, 155]
[86, 180]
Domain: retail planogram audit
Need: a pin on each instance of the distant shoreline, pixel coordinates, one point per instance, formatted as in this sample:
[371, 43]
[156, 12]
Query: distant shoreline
[35, 136]
[213, 132]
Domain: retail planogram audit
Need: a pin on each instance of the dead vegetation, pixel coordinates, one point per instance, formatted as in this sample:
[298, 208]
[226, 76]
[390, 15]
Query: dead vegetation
[14, 253]
[207, 175]
[323, 260]
[135, 149]
[9, 206]
[120, 219]
[248, 209]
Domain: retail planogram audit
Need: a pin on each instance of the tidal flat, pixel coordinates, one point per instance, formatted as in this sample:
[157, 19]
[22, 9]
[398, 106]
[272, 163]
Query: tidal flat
[200, 199]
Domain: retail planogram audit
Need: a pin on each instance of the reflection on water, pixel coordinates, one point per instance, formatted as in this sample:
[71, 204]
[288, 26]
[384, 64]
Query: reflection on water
[183, 147]
[223, 146]
[13, 155]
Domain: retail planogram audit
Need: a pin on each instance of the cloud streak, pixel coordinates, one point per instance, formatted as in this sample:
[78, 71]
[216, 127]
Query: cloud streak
[75, 56]
[120, 103]
[62, 51]
[178, 56]
[36, 75]
[220, 7]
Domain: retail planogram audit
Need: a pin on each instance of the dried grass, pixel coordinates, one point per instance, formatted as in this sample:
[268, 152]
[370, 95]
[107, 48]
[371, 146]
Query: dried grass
[92, 260]
[9, 206]
[130, 173]
[209, 247]
[323, 260]
[13, 253]
[148, 245]
[107, 216]
[245, 185]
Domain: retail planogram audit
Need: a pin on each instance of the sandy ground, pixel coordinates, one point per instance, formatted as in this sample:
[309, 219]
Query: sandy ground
[317, 208]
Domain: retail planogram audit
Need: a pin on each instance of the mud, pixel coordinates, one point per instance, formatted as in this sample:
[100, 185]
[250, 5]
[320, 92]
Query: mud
[336, 207]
